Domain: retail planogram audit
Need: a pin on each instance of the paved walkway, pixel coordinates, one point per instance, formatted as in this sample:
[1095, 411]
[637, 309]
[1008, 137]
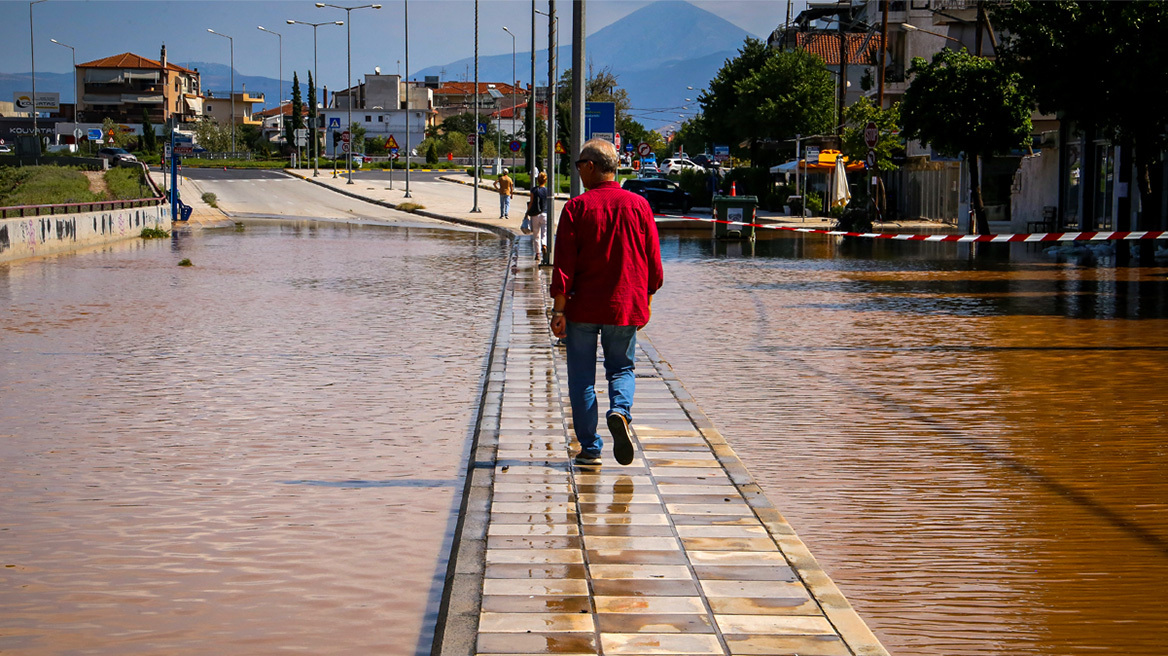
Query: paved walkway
[677, 553]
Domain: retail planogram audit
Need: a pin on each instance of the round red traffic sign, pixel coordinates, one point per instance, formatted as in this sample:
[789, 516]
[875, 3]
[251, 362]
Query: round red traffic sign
[644, 149]
[871, 134]
[470, 139]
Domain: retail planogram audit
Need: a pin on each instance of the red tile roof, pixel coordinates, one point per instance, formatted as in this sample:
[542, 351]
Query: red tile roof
[521, 108]
[130, 60]
[467, 89]
[827, 47]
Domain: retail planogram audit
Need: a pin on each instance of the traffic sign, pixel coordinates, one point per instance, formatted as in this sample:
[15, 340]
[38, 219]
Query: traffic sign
[470, 139]
[391, 143]
[616, 140]
[871, 134]
[344, 146]
[346, 137]
[644, 149]
[393, 151]
[300, 133]
[334, 122]
[871, 159]
[560, 148]
[76, 134]
[482, 128]
[515, 145]
[94, 134]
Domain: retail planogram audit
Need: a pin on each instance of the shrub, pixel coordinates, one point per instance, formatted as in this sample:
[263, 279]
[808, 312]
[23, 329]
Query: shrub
[124, 183]
[210, 199]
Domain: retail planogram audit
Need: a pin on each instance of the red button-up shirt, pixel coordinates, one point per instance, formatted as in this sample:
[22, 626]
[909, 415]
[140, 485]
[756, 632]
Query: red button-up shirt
[608, 258]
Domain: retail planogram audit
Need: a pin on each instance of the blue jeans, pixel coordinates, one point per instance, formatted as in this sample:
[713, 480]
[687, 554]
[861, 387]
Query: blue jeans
[619, 344]
[504, 205]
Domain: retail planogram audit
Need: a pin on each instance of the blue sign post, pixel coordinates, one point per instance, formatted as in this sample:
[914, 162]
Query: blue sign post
[600, 121]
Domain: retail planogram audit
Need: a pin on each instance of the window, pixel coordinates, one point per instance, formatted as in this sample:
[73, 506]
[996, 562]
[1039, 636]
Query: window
[380, 119]
[368, 119]
[209, 109]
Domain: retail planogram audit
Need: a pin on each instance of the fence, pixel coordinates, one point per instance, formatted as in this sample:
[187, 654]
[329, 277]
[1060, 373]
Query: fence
[93, 206]
[927, 194]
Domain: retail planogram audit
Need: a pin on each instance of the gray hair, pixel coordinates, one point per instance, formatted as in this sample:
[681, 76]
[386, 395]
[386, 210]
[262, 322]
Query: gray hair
[602, 153]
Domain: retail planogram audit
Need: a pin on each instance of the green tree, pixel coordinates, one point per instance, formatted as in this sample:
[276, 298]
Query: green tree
[1090, 63]
[212, 136]
[120, 138]
[149, 138]
[356, 134]
[962, 104]
[296, 121]
[856, 118]
[764, 93]
[314, 133]
[432, 154]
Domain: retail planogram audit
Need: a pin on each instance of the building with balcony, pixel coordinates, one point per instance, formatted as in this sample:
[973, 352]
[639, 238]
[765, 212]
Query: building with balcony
[218, 106]
[121, 86]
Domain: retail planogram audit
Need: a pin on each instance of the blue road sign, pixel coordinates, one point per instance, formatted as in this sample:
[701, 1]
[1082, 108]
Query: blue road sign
[629, 147]
[94, 134]
[334, 122]
[482, 128]
[393, 151]
[599, 120]
[515, 145]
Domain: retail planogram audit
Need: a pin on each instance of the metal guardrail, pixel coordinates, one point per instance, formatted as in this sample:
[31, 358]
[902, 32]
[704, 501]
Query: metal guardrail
[210, 155]
[19, 211]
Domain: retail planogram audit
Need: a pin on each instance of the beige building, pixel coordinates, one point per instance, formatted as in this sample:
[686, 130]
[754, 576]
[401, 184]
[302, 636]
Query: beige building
[121, 86]
[218, 107]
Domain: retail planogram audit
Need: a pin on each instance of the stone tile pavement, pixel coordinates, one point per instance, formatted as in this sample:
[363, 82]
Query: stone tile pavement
[677, 553]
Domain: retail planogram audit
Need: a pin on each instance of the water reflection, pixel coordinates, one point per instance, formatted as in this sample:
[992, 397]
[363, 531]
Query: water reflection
[972, 445]
[258, 453]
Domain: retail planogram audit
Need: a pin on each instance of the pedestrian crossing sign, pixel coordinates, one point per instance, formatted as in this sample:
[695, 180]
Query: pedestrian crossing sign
[334, 122]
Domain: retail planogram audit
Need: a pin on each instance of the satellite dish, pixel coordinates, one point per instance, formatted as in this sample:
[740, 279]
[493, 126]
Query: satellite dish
[377, 70]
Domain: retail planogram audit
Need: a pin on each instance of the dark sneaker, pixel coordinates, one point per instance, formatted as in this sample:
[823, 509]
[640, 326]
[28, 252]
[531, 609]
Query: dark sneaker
[586, 459]
[622, 443]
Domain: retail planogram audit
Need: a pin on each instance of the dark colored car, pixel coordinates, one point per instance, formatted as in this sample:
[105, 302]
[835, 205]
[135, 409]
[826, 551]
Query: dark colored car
[705, 161]
[660, 192]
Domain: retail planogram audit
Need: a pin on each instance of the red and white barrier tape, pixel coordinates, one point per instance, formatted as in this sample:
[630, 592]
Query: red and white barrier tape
[1004, 238]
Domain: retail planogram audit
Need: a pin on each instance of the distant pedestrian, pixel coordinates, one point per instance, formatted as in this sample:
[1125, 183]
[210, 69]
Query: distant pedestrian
[506, 188]
[607, 268]
[537, 210]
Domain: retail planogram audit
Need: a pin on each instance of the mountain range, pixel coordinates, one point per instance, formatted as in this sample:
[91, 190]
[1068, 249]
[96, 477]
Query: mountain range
[655, 52]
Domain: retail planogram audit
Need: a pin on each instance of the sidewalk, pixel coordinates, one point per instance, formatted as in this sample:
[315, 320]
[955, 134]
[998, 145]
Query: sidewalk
[202, 215]
[677, 553]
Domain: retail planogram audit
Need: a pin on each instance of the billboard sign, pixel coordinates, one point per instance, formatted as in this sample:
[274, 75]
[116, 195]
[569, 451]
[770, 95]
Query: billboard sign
[46, 101]
[600, 121]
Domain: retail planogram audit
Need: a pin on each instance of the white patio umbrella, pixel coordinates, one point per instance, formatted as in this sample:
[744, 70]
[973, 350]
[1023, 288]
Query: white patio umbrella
[840, 194]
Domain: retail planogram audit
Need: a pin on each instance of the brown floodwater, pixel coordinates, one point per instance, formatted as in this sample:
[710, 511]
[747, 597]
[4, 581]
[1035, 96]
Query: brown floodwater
[974, 446]
[261, 453]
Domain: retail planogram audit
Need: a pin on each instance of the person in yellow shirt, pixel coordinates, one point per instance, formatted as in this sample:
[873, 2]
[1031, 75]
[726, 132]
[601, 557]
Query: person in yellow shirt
[506, 188]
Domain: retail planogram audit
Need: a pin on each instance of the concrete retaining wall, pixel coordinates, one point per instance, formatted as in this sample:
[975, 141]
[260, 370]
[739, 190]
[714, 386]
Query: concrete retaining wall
[60, 233]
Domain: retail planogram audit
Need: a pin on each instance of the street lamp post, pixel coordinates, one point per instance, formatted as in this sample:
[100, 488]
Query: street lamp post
[408, 146]
[478, 139]
[553, 51]
[348, 72]
[315, 148]
[76, 93]
[232, 41]
[32, 57]
[531, 105]
[513, 80]
[280, 99]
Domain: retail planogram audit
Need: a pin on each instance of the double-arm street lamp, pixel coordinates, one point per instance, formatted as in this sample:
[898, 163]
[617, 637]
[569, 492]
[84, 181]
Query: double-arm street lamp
[315, 150]
[232, 86]
[279, 100]
[77, 93]
[348, 70]
[512, 88]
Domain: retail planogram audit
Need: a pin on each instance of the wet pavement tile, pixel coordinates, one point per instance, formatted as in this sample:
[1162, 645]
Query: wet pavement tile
[747, 645]
[537, 643]
[802, 605]
[653, 623]
[649, 544]
[659, 643]
[736, 558]
[526, 571]
[535, 556]
[621, 557]
[534, 542]
[627, 530]
[754, 531]
[642, 587]
[763, 589]
[535, 587]
[640, 571]
[729, 544]
[535, 622]
[773, 625]
[624, 519]
[532, 529]
[745, 572]
[536, 604]
[650, 605]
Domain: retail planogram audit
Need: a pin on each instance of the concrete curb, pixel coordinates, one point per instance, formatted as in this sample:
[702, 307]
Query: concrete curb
[501, 231]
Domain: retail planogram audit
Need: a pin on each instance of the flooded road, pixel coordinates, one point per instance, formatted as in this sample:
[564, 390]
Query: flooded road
[260, 453]
[974, 449]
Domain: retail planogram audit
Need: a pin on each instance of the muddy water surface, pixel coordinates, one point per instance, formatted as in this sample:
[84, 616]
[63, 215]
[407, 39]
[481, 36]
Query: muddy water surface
[976, 449]
[261, 453]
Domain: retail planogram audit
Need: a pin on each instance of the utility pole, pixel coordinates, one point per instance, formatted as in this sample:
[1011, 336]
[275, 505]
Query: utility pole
[883, 52]
[478, 137]
[532, 106]
[579, 77]
[551, 145]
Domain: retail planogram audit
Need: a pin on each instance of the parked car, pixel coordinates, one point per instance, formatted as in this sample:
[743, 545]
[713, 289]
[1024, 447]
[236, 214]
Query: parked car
[676, 165]
[706, 161]
[660, 192]
[650, 172]
[117, 155]
[5, 148]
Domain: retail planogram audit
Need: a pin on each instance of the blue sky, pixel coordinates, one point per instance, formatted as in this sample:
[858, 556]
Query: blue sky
[441, 31]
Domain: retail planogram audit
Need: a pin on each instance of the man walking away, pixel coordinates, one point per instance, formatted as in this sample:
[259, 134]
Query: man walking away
[506, 187]
[607, 268]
